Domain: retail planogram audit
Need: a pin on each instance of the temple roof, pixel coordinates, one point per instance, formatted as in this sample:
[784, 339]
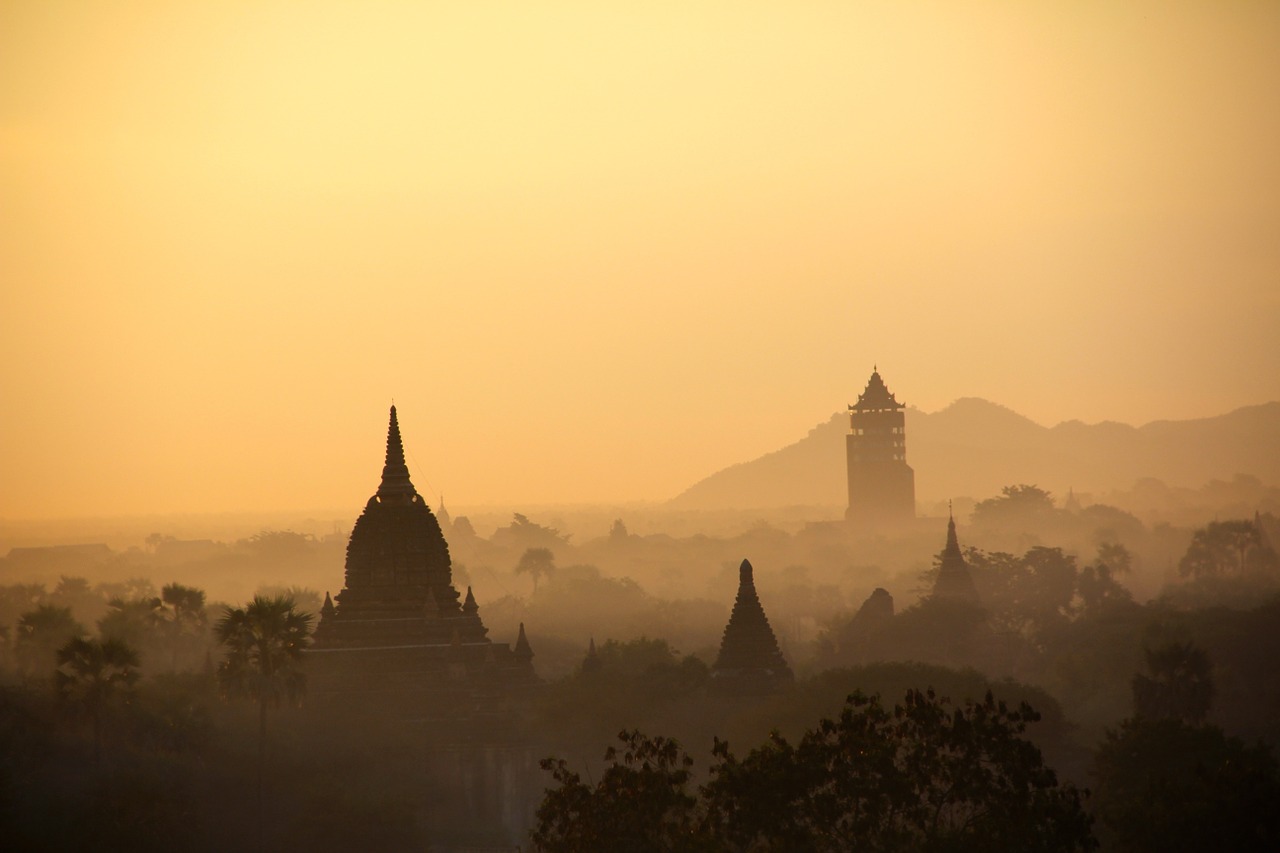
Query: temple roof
[395, 473]
[876, 396]
[749, 645]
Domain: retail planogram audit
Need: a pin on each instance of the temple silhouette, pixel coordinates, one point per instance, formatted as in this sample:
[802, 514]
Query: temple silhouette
[397, 637]
[882, 486]
[954, 581]
[749, 660]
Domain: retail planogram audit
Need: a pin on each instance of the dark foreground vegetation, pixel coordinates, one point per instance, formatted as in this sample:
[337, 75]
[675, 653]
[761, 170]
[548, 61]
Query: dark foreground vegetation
[1057, 713]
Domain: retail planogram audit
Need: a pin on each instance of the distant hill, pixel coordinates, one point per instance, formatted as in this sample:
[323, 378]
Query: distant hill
[974, 447]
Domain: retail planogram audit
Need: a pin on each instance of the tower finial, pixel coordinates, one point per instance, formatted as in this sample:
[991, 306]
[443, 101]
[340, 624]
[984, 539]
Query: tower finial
[395, 473]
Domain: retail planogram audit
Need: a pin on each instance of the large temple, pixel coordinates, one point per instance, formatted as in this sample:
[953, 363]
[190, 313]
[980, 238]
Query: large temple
[882, 486]
[749, 660]
[399, 637]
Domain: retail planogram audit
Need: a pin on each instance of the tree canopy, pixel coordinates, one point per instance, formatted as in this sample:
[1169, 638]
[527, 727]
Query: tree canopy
[924, 775]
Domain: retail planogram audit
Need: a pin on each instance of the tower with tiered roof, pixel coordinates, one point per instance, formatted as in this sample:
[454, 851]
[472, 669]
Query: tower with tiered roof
[882, 486]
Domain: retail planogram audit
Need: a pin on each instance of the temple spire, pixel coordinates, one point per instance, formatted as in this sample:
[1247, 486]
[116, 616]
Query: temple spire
[749, 653]
[953, 544]
[954, 581]
[522, 651]
[395, 473]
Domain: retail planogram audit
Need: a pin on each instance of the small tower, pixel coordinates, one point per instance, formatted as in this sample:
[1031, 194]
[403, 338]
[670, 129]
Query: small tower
[882, 486]
[749, 660]
[442, 515]
[591, 663]
[954, 582]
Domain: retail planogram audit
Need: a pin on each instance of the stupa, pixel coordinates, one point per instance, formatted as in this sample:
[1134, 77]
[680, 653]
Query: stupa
[749, 660]
[954, 581]
[397, 636]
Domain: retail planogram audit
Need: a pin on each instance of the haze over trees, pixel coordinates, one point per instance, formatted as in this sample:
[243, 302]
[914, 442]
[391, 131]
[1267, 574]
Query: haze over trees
[1074, 623]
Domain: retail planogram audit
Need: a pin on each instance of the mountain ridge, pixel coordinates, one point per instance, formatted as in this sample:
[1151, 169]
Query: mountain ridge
[973, 447]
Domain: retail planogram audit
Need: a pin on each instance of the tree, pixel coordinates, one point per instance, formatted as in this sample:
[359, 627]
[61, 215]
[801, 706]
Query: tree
[90, 673]
[1097, 585]
[537, 563]
[1015, 506]
[1180, 686]
[135, 622]
[264, 643]
[1227, 547]
[183, 617]
[41, 632]
[1174, 787]
[640, 803]
[922, 776]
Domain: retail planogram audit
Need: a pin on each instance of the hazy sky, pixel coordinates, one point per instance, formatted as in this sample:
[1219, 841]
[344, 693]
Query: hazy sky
[596, 251]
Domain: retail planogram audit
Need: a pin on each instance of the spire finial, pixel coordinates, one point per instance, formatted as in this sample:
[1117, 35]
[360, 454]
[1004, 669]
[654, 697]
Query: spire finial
[395, 473]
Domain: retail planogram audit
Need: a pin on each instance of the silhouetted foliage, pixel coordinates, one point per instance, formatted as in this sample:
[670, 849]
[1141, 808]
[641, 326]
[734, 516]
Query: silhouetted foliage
[1227, 547]
[1167, 786]
[91, 673]
[537, 563]
[1096, 584]
[41, 632]
[1014, 506]
[922, 776]
[640, 803]
[1179, 687]
[264, 642]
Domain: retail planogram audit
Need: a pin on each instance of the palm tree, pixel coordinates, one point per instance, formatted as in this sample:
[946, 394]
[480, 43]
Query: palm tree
[537, 563]
[90, 672]
[183, 616]
[264, 642]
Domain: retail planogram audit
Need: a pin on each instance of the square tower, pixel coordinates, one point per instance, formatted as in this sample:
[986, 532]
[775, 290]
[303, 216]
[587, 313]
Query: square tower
[882, 486]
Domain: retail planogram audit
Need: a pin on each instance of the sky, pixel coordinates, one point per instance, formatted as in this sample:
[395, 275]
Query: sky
[595, 252]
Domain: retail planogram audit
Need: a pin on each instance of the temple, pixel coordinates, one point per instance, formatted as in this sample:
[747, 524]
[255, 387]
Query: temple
[397, 636]
[749, 660]
[882, 487]
[954, 581]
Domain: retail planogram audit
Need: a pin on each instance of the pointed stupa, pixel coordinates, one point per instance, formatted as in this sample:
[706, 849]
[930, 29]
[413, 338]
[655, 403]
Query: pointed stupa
[954, 582]
[395, 473]
[469, 606]
[749, 653]
[522, 648]
[591, 663]
[326, 609]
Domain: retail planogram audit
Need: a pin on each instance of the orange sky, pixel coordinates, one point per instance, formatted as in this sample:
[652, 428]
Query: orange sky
[596, 251]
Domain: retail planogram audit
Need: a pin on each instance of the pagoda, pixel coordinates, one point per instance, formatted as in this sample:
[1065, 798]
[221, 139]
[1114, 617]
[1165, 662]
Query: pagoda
[954, 581]
[399, 635]
[749, 660]
[882, 486]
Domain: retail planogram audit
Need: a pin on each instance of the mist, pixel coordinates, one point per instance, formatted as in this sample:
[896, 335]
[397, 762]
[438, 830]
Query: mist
[449, 427]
